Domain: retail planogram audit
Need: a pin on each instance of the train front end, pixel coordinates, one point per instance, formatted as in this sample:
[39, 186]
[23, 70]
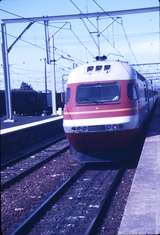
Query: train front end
[100, 114]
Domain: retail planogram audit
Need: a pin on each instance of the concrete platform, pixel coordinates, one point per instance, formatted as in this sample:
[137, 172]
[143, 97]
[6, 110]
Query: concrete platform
[22, 120]
[27, 134]
[142, 211]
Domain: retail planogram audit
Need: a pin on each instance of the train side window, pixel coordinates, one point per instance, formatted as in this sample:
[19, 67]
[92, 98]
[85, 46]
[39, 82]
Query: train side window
[132, 91]
[67, 95]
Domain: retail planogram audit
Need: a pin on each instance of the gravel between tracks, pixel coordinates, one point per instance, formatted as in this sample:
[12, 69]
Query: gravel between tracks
[11, 171]
[73, 213]
[20, 199]
[112, 221]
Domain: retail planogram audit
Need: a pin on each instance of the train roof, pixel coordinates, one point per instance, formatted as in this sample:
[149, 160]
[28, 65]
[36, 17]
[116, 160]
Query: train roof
[102, 71]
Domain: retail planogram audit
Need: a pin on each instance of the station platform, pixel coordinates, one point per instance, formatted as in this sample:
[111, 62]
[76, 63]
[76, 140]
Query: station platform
[21, 120]
[142, 212]
[27, 134]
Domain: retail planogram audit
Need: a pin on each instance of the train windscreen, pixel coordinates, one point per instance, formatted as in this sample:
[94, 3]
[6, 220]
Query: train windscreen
[98, 93]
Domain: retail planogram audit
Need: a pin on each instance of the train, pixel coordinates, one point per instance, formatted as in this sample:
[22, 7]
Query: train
[106, 105]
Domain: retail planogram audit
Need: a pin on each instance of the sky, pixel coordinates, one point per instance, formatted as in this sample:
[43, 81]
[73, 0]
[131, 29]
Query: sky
[133, 38]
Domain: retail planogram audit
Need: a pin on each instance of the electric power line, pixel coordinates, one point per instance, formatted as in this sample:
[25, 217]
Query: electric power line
[26, 69]
[103, 9]
[19, 16]
[76, 36]
[125, 34]
[68, 55]
[84, 23]
[128, 42]
[100, 33]
[30, 43]
[35, 45]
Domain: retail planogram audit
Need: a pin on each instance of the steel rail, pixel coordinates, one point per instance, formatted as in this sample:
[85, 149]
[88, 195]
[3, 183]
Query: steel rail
[35, 216]
[105, 204]
[31, 169]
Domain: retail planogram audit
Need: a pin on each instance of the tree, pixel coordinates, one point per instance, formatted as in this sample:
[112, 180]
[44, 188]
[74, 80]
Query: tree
[25, 86]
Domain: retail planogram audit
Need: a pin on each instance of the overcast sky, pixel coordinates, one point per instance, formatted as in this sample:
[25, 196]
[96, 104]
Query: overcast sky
[135, 37]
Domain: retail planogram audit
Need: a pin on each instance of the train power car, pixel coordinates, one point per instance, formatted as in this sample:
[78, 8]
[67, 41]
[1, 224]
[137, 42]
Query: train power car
[106, 105]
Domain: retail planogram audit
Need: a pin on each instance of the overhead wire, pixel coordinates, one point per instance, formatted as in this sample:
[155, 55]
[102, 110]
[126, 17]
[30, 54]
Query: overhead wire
[68, 55]
[36, 45]
[19, 16]
[125, 34]
[103, 9]
[8, 12]
[76, 36]
[128, 42]
[108, 25]
[73, 32]
[101, 33]
[114, 20]
[112, 24]
[78, 39]
[26, 69]
[63, 66]
[23, 71]
[28, 75]
[30, 43]
[59, 28]
[84, 23]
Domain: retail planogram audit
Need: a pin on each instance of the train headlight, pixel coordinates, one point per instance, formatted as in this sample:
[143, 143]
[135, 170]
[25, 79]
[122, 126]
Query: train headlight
[84, 128]
[109, 127]
[80, 129]
[114, 127]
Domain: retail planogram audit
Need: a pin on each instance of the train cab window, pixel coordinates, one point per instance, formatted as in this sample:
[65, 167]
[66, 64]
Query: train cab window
[132, 91]
[98, 93]
[67, 95]
[98, 67]
[90, 68]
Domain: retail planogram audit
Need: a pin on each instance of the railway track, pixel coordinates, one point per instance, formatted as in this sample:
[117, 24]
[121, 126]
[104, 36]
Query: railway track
[14, 173]
[77, 207]
[30, 152]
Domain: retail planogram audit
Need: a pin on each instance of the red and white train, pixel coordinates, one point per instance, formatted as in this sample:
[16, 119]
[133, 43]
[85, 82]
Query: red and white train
[106, 105]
